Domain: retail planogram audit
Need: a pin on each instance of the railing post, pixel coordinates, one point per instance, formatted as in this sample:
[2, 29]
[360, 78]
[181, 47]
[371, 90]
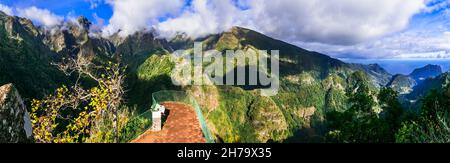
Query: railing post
[156, 121]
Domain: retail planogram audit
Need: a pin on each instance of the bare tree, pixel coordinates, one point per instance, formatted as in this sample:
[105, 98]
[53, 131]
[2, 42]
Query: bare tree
[101, 101]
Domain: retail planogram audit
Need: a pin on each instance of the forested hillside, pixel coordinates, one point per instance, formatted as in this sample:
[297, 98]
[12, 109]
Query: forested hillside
[321, 99]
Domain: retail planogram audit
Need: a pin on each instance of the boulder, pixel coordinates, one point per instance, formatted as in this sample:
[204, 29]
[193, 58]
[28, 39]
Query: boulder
[15, 124]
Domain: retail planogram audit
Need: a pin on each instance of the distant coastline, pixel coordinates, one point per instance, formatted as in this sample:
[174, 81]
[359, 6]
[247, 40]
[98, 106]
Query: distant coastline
[402, 66]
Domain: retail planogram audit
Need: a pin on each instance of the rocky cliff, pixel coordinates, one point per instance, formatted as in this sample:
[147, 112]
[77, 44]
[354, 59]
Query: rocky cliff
[429, 71]
[74, 39]
[25, 60]
[379, 76]
[14, 118]
[403, 84]
[437, 83]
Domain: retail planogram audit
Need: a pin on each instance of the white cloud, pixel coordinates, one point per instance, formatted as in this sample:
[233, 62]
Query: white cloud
[338, 27]
[131, 16]
[202, 18]
[333, 21]
[94, 3]
[409, 44]
[7, 10]
[41, 16]
[435, 5]
[323, 21]
[99, 23]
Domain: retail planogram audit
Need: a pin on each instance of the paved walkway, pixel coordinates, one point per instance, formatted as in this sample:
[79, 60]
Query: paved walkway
[181, 126]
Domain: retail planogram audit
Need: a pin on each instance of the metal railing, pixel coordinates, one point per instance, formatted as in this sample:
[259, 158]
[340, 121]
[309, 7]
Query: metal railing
[185, 98]
[143, 122]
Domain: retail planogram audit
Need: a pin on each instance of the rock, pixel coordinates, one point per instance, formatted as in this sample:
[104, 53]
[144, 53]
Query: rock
[84, 22]
[379, 76]
[429, 71]
[402, 84]
[307, 114]
[439, 83]
[267, 120]
[14, 118]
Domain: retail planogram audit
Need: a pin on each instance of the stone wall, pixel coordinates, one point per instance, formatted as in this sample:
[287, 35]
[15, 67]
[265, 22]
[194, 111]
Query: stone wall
[15, 124]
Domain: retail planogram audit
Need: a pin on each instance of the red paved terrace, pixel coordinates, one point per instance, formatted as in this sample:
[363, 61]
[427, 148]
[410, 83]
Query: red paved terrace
[181, 126]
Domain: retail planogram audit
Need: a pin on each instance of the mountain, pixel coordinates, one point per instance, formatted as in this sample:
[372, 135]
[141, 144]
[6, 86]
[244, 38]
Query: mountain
[429, 71]
[413, 87]
[428, 84]
[240, 38]
[74, 39]
[25, 60]
[136, 48]
[311, 83]
[379, 76]
[402, 83]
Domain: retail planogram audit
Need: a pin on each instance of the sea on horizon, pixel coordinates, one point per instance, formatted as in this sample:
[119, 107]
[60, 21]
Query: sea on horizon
[402, 66]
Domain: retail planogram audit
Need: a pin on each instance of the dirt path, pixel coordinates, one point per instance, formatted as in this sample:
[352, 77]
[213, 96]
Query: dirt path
[181, 126]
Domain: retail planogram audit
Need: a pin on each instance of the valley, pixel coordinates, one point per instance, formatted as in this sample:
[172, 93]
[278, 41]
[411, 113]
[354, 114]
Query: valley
[312, 85]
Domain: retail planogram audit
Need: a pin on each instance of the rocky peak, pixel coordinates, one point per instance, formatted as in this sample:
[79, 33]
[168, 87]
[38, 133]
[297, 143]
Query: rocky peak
[139, 44]
[439, 82]
[429, 71]
[2, 14]
[62, 42]
[84, 22]
[379, 76]
[74, 40]
[14, 118]
[181, 41]
[377, 68]
[403, 84]
[18, 28]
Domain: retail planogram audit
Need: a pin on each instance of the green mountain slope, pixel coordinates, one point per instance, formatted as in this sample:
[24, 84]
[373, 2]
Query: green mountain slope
[311, 84]
[25, 60]
[402, 83]
[423, 88]
[378, 75]
[423, 73]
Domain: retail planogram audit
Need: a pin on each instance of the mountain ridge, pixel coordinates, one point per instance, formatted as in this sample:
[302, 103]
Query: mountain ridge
[311, 83]
[428, 71]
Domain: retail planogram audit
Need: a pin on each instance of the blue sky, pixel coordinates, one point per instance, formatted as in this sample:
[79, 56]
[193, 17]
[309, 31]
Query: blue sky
[343, 29]
[65, 7]
[86, 8]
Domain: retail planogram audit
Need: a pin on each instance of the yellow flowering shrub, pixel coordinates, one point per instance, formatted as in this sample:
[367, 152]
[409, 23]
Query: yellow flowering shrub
[70, 115]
